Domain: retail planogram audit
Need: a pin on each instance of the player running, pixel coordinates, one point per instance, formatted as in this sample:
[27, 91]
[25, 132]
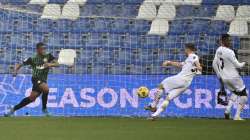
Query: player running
[177, 84]
[40, 64]
[225, 65]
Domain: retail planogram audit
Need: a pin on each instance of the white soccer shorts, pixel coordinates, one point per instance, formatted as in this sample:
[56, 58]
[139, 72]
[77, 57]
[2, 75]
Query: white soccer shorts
[174, 86]
[234, 84]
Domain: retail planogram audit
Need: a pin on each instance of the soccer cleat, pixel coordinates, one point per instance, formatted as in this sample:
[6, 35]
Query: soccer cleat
[238, 119]
[46, 113]
[10, 113]
[149, 108]
[227, 116]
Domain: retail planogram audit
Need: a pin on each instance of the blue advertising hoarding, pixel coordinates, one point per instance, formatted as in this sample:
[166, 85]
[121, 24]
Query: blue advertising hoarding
[111, 95]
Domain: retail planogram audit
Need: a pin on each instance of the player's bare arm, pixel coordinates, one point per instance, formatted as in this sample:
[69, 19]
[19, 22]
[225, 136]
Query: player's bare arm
[172, 63]
[17, 68]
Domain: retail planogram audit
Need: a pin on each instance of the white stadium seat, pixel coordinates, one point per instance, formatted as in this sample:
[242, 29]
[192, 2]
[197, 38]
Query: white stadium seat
[243, 12]
[238, 28]
[225, 12]
[51, 11]
[155, 2]
[147, 11]
[167, 11]
[70, 11]
[39, 2]
[159, 27]
[67, 57]
[193, 2]
[80, 2]
[174, 2]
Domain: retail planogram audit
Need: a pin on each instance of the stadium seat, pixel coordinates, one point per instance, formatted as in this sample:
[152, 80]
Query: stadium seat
[198, 27]
[51, 11]
[243, 12]
[39, 2]
[178, 27]
[185, 11]
[167, 11]
[107, 10]
[231, 2]
[57, 1]
[193, 2]
[205, 11]
[225, 12]
[223, 2]
[238, 28]
[218, 27]
[70, 11]
[138, 26]
[247, 2]
[67, 57]
[174, 2]
[155, 2]
[79, 2]
[147, 11]
[159, 27]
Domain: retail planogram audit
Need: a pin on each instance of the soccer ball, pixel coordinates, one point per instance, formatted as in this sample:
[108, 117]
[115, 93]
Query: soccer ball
[143, 92]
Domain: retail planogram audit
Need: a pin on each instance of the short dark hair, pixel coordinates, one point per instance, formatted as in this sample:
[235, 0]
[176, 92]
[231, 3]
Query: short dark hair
[225, 37]
[39, 45]
[191, 46]
[225, 40]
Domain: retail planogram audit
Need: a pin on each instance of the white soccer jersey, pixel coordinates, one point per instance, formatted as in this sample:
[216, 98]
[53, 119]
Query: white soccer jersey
[189, 69]
[177, 84]
[225, 63]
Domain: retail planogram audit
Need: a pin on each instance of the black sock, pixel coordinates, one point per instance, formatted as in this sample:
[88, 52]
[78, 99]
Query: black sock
[44, 100]
[23, 103]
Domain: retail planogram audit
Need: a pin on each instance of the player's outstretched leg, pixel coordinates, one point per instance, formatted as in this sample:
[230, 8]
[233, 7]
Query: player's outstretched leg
[157, 96]
[231, 101]
[242, 102]
[45, 89]
[161, 108]
[23, 103]
[172, 94]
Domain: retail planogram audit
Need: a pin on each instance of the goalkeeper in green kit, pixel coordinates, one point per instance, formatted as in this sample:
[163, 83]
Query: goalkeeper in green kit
[40, 65]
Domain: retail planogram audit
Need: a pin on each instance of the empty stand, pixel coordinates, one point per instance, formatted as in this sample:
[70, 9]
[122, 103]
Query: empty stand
[70, 11]
[147, 11]
[79, 2]
[51, 11]
[238, 28]
[243, 12]
[225, 12]
[167, 11]
[40, 2]
[159, 27]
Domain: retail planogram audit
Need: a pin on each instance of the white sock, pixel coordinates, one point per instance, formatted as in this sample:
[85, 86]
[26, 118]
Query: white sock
[238, 111]
[162, 107]
[158, 93]
[229, 106]
[241, 105]
[231, 101]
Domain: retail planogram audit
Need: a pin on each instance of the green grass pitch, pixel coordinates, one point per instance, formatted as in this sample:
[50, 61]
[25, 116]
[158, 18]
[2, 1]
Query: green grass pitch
[121, 129]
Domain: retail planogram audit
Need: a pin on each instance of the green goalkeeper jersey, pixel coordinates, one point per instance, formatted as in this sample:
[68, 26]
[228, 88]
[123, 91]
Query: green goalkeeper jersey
[37, 64]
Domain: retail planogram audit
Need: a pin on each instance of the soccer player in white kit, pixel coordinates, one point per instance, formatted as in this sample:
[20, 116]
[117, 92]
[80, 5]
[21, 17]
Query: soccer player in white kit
[177, 84]
[225, 65]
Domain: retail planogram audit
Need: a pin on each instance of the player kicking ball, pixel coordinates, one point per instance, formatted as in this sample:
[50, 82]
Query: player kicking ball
[40, 65]
[175, 85]
[225, 65]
